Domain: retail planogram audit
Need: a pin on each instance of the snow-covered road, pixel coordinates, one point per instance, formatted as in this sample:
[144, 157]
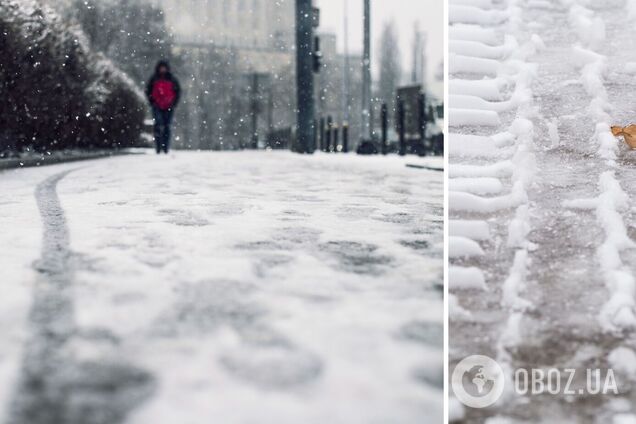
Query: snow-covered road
[555, 213]
[223, 287]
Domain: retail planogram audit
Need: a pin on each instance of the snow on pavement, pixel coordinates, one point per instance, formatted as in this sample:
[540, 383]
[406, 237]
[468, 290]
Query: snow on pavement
[558, 263]
[493, 169]
[228, 286]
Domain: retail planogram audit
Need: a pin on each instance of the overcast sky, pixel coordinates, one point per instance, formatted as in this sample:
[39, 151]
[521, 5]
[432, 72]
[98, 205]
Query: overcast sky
[429, 13]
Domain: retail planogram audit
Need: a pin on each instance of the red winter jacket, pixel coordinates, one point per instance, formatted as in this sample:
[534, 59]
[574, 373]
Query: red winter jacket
[163, 92]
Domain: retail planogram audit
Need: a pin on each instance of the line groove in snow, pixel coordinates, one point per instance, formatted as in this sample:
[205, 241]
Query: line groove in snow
[55, 385]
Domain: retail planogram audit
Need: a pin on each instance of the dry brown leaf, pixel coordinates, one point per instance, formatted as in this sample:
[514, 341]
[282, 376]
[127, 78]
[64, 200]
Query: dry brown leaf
[628, 133]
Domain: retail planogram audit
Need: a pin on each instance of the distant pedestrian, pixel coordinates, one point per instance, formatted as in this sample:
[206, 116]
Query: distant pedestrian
[163, 92]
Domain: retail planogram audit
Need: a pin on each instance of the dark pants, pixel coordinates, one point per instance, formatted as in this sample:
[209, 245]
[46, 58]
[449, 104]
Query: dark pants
[163, 119]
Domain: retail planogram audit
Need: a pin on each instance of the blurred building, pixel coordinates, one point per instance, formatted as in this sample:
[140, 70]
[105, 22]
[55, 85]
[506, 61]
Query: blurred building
[262, 30]
[339, 87]
[238, 56]
[227, 45]
[236, 23]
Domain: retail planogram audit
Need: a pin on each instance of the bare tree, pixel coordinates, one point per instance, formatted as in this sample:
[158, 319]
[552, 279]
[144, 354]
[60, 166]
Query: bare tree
[132, 33]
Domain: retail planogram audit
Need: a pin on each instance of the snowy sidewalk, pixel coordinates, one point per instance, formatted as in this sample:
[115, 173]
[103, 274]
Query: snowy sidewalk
[224, 287]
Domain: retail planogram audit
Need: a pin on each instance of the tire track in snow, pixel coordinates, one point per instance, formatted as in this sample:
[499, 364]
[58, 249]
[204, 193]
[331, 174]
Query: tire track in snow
[55, 384]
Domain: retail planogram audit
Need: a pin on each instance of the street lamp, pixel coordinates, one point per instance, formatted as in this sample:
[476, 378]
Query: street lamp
[307, 17]
[366, 73]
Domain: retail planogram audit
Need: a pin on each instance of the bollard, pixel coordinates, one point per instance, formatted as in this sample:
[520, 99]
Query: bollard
[336, 138]
[329, 130]
[322, 134]
[345, 138]
[402, 127]
[315, 135]
[254, 110]
[385, 129]
[422, 120]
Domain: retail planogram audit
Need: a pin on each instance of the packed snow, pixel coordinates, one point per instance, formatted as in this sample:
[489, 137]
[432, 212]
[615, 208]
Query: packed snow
[554, 287]
[223, 287]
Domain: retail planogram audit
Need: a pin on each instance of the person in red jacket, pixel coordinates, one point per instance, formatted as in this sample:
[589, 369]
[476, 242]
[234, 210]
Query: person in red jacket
[163, 92]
